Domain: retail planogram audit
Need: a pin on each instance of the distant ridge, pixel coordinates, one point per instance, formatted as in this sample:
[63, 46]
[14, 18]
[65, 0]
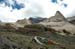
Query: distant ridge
[36, 20]
[23, 21]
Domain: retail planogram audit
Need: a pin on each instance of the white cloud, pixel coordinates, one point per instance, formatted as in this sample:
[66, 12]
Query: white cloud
[70, 8]
[43, 8]
[48, 9]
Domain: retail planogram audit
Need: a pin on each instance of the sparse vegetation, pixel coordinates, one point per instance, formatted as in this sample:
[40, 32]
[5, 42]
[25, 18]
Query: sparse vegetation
[35, 26]
[25, 41]
[23, 38]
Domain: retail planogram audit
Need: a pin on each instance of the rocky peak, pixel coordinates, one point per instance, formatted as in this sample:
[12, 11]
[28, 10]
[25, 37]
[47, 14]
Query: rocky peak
[58, 14]
[58, 17]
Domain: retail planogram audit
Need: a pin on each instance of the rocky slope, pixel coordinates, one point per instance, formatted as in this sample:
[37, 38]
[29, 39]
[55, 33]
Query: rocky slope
[59, 23]
[15, 40]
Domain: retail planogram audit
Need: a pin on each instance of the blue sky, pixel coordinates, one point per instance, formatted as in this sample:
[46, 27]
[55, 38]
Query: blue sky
[12, 10]
[15, 4]
[56, 1]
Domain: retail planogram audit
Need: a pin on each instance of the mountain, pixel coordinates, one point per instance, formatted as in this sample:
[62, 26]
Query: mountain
[58, 17]
[71, 19]
[25, 35]
[55, 20]
[59, 23]
[23, 22]
[36, 19]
